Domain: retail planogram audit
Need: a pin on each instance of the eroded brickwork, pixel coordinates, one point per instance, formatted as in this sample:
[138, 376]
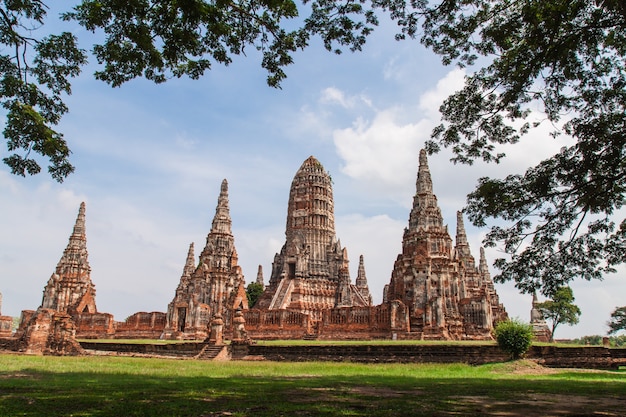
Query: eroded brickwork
[6, 323]
[436, 290]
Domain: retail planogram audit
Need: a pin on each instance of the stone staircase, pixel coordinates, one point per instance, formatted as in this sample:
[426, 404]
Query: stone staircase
[283, 292]
[209, 352]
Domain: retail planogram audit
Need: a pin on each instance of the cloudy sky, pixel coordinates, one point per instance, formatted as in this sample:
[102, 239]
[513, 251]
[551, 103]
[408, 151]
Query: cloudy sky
[150, 159]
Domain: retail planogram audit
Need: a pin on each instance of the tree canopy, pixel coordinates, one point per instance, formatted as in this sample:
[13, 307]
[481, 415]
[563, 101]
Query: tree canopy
[564, 59]
[253, 292]
[618, 320]
[561, 309]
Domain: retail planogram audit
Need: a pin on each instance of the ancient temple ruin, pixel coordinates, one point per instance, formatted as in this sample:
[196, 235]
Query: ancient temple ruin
[215, 286]
[448, 297]
[310, 274]
[68, 294]
[436, 290]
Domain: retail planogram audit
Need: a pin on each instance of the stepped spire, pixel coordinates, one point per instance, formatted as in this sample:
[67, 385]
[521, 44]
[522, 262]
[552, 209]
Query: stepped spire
[424, 183]
[361, 282]
[361, 279]
[425, 213]
[70, 289]
[190, 264]
[311, 272]
[78, 233]
[259, 275]
[311, 203]
[462, 246]
[222, 222]
[461, 237]
[483, 266]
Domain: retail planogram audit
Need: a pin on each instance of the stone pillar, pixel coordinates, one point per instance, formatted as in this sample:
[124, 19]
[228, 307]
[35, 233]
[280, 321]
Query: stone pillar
[240, 335]
[216, 336]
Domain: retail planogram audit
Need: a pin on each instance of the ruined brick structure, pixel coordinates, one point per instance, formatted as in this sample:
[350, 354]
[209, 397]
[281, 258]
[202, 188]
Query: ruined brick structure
[310, 274]
[447, 295]
[215, 286]
[68, 308]
[6, 323]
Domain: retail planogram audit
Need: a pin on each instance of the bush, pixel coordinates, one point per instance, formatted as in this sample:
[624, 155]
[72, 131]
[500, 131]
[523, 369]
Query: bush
[514, 337]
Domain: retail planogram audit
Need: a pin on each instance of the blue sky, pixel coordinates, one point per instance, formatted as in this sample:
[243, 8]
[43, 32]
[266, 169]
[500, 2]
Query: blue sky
[150, 159]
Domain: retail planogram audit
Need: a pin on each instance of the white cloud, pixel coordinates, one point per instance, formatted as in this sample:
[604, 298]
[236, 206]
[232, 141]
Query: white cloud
[383, 150]
[333, 95]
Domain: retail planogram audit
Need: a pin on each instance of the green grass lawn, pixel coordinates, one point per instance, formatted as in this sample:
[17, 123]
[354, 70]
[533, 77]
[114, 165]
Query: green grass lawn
[122, 386]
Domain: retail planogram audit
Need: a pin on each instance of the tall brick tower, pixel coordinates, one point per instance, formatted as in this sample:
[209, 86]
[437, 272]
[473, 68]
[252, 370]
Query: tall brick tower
[310, 273]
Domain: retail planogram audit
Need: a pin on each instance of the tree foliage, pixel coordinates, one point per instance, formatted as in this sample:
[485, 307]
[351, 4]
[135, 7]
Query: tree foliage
[618, 320]
[253, 292]
[35, 74]
[514, 337]
[567, 59]
[561, 309]
[159, 39]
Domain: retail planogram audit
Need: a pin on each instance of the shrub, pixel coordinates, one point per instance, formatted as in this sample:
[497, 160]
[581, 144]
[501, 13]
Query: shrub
[514, 337]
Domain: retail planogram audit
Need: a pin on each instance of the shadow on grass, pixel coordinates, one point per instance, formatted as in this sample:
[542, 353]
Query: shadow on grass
[102, 394]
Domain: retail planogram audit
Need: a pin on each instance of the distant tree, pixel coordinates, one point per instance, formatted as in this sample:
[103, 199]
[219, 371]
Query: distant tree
[593, 340]
[618, 320]
[561, 309]
[253, 292]
[514, 337]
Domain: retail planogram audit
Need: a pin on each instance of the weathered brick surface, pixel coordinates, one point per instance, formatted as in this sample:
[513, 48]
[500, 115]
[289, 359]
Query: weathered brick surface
[185, 350]
[141, 325]
[551, 356]
[6, 326]
[578, 356]
[310, 273]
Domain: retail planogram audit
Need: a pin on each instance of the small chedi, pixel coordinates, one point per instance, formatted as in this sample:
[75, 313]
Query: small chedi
[540, 327]
[70, 289]
[447, 295]
[215, 287]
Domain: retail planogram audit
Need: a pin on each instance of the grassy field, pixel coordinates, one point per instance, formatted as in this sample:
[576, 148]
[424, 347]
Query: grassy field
[122, 386]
